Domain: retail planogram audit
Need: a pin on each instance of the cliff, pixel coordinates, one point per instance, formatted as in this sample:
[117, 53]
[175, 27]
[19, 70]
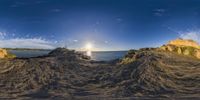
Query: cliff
[183, 47]
[3, 53]
[184, 42]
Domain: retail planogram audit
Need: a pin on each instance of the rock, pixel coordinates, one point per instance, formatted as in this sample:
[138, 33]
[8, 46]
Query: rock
[3, 53]
[179, 51]
[183, 47]
[197, 53]
[184, 42]
[70, 54]
[61, 52]
[186, 52]
[170, 48]
[167, 47]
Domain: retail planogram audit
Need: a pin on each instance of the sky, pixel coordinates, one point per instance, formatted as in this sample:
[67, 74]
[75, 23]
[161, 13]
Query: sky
[105, 24]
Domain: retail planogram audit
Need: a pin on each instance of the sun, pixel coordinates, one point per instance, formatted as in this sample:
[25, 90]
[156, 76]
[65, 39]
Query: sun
[88, 47]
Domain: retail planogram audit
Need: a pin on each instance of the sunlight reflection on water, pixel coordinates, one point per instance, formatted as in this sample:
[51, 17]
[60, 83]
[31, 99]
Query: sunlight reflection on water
[89, 53]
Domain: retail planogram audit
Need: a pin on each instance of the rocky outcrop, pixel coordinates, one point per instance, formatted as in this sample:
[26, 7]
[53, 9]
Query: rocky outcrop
[132, 55]
[3, 53]
[71, 54]
[184, 47]
[184, 42]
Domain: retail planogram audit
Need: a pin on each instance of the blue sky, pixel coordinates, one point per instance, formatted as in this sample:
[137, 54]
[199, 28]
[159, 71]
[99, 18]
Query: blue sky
[106, 24]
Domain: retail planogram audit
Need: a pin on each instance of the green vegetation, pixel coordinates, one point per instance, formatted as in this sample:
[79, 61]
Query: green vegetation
[129, 57]
[127, 60]
[10, 56]
[131, 53]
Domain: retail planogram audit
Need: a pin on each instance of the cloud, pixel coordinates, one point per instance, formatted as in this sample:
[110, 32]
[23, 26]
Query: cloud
[15, 4]
[2, 35]
[18, 4]
[26, 43]
[106, 42]
[159, 12]
[191, 35]
[56, 10]
[75, 40]
[40, 1]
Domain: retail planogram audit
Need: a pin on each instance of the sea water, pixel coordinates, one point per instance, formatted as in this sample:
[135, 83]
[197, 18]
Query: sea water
[97, 55]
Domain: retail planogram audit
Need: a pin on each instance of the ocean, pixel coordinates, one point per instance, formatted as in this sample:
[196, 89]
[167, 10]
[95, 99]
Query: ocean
[107, 55]
[97, 55]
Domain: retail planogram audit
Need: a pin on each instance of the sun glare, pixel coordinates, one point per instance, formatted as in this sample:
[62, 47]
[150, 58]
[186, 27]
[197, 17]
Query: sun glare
[89, 53]
[88, 48]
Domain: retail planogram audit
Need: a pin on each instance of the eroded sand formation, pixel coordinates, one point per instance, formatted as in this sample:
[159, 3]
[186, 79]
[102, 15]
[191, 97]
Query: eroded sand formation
[183, 47]
[3, 53]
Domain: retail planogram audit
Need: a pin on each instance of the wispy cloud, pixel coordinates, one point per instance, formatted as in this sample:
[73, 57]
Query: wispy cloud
[26, 43]
[106, 42]
[18, 4]
[191, 35]
[56, 10]
[40, 1]
[159, 12]
[2, 35]
[75, 40]
[15, 4]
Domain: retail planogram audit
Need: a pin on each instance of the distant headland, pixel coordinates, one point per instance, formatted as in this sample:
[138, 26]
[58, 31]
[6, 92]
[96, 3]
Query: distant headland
[36, 49]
